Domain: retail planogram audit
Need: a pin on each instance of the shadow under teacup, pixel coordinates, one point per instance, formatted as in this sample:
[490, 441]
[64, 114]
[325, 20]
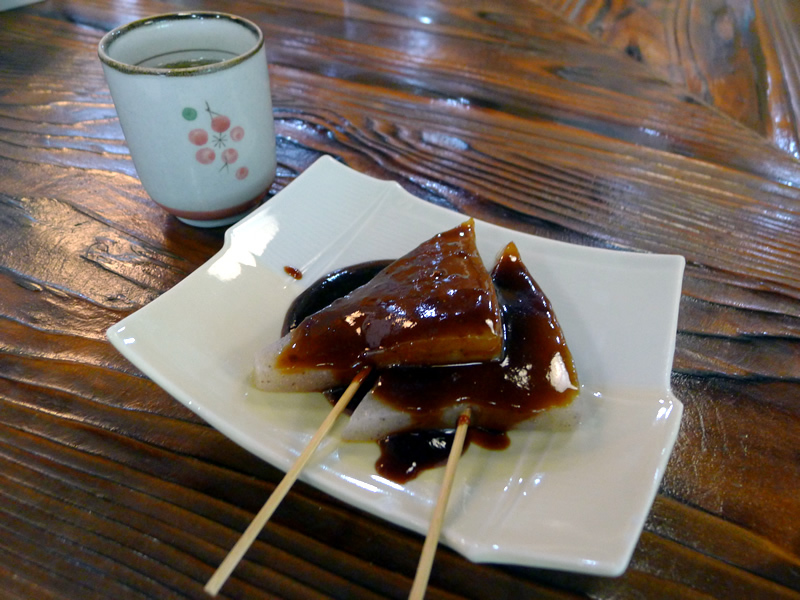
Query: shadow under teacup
[193, 99]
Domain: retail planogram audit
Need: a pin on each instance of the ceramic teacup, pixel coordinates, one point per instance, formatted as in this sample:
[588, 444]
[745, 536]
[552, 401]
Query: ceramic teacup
[193, 98]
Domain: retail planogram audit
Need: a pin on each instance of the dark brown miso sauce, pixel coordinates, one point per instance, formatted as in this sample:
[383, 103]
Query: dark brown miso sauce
[328, 288]
[323, 292]
[501, 394]
[293, 272]
[405, 455]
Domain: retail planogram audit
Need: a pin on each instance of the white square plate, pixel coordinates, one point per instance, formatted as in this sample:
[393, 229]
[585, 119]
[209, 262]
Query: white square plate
[563, 500]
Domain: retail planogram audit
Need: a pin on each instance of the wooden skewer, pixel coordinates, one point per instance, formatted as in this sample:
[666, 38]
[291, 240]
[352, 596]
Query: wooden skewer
[250, 534]
[434, 530]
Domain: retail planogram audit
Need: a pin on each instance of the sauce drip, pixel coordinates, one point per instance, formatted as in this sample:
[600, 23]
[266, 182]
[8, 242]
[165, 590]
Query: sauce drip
[406, 455]
[293, 272]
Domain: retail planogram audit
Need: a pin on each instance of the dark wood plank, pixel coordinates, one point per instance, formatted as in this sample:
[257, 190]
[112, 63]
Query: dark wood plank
[741, 56]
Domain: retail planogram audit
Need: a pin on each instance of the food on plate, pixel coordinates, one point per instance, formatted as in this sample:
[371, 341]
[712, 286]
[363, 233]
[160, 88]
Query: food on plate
[436, 305]
[411, 412]
[536, 374]
[529, 381]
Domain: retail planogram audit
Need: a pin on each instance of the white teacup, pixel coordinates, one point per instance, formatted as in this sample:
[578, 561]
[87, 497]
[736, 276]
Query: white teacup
[193, 98]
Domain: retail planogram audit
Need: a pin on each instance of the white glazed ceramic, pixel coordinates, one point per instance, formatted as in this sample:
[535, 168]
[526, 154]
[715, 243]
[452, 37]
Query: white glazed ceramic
[565, 500]
[201, 135]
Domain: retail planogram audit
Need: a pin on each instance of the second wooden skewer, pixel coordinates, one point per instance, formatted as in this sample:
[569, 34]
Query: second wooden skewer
[435, 528]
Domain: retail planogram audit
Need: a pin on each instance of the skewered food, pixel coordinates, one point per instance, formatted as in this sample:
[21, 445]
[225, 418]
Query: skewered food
[435, 305]
[448, 339]
[535, 375]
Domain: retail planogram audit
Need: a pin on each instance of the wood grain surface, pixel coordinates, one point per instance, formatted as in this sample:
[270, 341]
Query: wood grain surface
[651, 126]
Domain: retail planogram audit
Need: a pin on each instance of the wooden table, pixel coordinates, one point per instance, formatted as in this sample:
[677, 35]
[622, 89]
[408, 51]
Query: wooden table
[661, 126]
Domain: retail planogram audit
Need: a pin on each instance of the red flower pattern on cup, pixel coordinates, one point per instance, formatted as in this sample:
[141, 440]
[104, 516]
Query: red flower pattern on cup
[199, 137]
[219, 123]
[229, 155]
[222, 135]
[205, 156]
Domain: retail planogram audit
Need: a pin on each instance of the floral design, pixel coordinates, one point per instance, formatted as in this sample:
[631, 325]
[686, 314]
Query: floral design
[216, 143]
